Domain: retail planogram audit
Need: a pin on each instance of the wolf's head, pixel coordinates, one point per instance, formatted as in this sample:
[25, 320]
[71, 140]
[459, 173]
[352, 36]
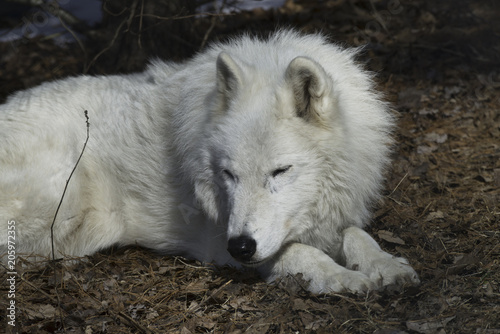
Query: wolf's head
[274, 160]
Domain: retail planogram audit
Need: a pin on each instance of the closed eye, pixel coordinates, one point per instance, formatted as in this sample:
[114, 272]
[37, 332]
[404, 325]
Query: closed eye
[228, 174]
[280, 171]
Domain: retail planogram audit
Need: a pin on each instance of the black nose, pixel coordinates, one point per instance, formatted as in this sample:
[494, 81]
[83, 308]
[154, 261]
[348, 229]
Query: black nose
[242, 248]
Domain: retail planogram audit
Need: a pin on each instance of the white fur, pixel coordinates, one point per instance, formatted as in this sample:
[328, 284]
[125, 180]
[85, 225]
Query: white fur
[283, 141]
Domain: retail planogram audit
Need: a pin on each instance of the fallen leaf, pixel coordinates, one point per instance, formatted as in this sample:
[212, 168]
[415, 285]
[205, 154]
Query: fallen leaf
[428, 111]
[163, 270]
[428, 326]
[299, 304]
[152, 314]
[389, 237]
[184, 330]
[496, 177]
[206, 323]
[426, 149]
[48, 311]
[434, 215]
[389, 331]
[436, 137]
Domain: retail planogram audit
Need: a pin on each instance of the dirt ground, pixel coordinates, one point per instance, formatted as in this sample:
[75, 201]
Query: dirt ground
[439, 64]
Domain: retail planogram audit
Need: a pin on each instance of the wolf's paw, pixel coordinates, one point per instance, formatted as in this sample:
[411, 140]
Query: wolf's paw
[392, 271]
[345, 281]
[321, 272]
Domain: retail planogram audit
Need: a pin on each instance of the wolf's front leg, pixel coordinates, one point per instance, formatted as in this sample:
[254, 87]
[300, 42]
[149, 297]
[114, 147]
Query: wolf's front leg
[363, 253]
[321, 271]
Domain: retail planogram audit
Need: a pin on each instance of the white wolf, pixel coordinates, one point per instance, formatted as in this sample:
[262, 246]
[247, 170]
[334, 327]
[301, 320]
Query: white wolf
[261, 152]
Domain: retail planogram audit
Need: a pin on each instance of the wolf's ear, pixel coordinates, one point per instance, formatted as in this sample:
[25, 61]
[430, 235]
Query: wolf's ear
[311, 87]
[229, 79]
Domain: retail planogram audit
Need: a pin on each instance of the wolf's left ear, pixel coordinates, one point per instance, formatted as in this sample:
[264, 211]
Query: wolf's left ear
[229, 79]
[311, 87]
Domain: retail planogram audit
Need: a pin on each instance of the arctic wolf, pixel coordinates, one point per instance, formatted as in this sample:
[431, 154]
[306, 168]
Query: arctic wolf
[266, 153]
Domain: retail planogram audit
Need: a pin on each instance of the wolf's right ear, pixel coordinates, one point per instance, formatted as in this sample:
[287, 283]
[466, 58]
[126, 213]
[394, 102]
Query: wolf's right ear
[229, 79]
[312, 89]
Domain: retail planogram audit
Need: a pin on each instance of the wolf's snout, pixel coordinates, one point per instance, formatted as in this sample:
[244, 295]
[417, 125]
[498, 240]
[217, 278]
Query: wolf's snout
[242, 248]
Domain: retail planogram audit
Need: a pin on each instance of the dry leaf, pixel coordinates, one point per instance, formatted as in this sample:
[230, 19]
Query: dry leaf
[389, 237]
[428, 326]
[434, 215]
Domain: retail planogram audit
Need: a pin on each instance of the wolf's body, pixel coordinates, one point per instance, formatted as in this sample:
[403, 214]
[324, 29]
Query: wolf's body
[267, 152]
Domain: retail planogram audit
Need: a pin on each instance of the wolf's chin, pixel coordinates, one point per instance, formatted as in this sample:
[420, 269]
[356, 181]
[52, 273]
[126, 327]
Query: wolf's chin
[253, 264]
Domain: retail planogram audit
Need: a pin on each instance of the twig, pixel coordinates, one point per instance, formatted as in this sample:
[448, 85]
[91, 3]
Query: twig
[212, 26]
[37, 289]
[131, 15]
[397, 186]
[187, 264]
[54, 220]
[75, 36]
[184, 16]
[52, 7]
[63, 15]
[66, 186]
[140, 24]
[378, 17]
[132, 323]
[117, 32]
[213, 295]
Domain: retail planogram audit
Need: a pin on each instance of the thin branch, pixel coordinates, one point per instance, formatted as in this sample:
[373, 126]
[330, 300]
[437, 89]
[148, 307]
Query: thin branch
[67, 183]
[51, 7]
[75, 36]
[132, 323]
[213, 22]
[184, 17]
[117, 32]
[140, 25]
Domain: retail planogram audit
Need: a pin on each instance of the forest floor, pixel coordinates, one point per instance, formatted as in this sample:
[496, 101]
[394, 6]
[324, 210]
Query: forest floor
[439, 64]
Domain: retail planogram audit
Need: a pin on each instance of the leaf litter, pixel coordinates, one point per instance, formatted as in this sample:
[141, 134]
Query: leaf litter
[438, 63]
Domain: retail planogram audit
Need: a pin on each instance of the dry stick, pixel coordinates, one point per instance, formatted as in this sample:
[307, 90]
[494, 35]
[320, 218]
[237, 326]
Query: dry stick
[132, 14]
[67, 183]
[117, 33]
[132, 323]
[184, 16]
[212, 296]
[55, 216]
[37, 289]
[213, 22]
[75, 36]
[378, 17]
[140, 25]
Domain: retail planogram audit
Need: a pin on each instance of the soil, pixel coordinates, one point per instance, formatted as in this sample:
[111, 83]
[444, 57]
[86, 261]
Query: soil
[437, 62]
